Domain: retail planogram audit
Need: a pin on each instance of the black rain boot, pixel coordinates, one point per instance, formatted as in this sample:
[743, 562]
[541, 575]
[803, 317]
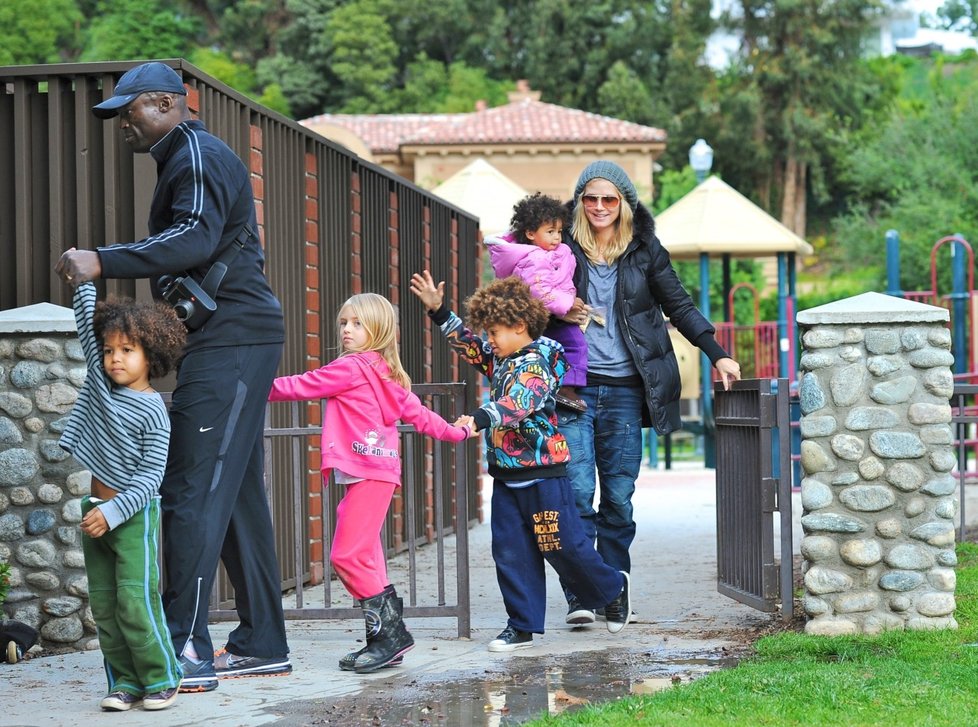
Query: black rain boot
[387, 636]
[347, 662]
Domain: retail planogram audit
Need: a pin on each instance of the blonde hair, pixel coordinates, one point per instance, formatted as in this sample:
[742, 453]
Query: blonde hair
[581, 232]
[379, 320]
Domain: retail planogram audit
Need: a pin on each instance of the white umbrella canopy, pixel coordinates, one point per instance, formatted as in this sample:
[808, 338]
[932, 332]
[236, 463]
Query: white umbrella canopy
[717, 219]
[482, 190]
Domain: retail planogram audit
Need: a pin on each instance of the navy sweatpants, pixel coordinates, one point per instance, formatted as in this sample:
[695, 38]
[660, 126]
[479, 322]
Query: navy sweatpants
[540, 523]
[214, 505]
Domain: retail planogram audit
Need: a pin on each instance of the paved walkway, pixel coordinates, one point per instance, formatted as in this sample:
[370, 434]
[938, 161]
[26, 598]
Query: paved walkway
[674, 592]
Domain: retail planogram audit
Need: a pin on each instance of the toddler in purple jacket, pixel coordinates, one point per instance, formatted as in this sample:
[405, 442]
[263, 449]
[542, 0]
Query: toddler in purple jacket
[532, 251]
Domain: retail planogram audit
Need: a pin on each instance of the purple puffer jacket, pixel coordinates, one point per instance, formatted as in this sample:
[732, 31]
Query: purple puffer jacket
[550, 274]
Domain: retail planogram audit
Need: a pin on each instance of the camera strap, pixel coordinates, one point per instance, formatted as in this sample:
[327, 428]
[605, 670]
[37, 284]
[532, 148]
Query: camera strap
[215, 276]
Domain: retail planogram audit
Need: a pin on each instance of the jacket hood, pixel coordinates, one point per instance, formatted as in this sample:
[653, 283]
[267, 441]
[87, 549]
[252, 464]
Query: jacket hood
[505, 254]
[373, 367]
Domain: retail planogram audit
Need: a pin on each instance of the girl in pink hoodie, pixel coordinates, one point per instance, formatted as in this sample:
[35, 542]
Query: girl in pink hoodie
[367, 392]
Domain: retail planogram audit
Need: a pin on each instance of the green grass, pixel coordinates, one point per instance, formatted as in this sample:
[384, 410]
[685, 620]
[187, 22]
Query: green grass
[898, 678]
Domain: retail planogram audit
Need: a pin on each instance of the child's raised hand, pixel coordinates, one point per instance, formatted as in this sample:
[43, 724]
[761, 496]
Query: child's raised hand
[431, 295]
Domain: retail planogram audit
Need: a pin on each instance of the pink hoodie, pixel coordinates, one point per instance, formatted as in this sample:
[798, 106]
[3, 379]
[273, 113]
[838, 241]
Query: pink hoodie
[550, 274]
[360, 434]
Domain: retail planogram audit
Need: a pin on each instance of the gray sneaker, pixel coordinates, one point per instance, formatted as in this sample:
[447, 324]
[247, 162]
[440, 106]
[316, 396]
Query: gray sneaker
[228, 665]
[119, 701]
[160, 700]
[198, 676]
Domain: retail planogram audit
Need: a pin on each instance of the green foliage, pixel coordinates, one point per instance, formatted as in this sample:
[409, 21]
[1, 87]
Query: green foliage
[624, 96]
[915, 173]
[465, 86]
[240, 77]
[218, 64]
[38, 31]
[4, 581]
[361, 51]
[671, 186]
[139, 29]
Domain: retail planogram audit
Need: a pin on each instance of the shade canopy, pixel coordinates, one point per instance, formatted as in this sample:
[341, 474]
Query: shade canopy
[482, 190]
[716, 219]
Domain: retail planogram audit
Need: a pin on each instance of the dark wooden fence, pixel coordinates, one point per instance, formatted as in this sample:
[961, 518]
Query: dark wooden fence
[332, 225]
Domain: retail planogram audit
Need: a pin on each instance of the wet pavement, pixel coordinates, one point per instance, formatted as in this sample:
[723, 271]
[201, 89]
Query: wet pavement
[685, 628]
[524, 689]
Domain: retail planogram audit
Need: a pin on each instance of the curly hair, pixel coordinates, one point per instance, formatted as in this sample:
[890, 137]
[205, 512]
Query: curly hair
[534, 211]
[508, 302]
[153, 325]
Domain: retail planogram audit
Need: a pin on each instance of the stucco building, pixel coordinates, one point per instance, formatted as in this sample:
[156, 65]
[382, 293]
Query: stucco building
[539, 146]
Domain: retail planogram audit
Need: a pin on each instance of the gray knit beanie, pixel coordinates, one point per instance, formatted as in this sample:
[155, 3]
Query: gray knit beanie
[613, 173]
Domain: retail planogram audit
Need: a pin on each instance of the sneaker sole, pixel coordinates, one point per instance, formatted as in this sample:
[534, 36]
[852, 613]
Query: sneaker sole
[398, 657]
[114, 706]
[581, 617]
[268, 670]
[503, 648]
[151, 705]
[208, 686]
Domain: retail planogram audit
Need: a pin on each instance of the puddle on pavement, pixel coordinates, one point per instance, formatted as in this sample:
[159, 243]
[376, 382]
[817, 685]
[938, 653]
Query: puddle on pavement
[493, 698]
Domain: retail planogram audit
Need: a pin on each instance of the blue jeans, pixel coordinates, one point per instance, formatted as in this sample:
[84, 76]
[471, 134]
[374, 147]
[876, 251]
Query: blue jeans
[606, 438]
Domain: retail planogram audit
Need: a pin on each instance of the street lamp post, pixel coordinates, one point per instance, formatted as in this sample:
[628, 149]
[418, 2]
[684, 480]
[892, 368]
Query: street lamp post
[701, 159]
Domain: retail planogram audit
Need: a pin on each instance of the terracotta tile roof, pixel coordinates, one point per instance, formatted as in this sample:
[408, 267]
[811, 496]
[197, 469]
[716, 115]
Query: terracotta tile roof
[523, 121]
[382, 133]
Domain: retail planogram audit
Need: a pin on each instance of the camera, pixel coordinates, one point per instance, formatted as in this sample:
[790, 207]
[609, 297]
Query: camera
[190, 301]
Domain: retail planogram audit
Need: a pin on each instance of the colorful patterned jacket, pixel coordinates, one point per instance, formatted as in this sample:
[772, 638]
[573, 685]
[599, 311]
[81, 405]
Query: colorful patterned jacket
[519, 422]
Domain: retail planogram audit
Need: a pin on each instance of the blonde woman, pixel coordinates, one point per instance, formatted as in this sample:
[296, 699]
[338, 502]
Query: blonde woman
[368, 392]
[627, 286]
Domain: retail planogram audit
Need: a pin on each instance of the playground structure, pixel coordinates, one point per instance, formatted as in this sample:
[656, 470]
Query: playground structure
[716, 219]
[962, 304]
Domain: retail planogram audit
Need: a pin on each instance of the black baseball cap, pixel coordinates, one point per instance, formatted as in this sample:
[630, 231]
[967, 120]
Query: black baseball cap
[154, 76]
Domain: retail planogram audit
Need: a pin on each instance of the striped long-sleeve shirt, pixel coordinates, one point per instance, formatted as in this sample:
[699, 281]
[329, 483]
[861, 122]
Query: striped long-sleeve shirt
[121, 435]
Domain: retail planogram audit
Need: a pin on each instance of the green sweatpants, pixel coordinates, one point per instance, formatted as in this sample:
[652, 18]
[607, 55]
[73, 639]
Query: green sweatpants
[124, 594]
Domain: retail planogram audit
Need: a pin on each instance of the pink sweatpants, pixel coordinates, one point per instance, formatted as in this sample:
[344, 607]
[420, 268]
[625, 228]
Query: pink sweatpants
[357, 554]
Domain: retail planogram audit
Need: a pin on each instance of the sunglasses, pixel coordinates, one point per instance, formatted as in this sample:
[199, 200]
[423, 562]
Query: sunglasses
[609, 201]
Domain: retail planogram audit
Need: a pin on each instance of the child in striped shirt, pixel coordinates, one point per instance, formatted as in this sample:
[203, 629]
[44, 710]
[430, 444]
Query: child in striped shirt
[119, 429]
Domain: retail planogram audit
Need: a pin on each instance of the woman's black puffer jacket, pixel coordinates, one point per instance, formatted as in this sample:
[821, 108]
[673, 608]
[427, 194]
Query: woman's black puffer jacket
[648, 287]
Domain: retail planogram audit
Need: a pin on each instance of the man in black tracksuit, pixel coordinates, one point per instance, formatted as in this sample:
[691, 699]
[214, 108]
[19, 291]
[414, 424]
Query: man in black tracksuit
[213, 497]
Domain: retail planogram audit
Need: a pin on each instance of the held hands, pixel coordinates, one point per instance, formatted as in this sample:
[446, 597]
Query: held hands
[729, 371]
[78, 266]
[431, 295]
[94, 524]
[468, 423]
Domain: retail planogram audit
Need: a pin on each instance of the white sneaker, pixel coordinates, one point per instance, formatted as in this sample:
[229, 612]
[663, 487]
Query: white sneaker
[577, 615]
[511, 639]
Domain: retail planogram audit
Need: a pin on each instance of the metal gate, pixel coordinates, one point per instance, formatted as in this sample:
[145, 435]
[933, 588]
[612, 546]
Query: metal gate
[753, 475]
[430, 509]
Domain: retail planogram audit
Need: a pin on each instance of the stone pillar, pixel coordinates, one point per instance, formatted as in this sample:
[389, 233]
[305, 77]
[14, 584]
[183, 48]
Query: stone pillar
[41, 370]
[878, 493]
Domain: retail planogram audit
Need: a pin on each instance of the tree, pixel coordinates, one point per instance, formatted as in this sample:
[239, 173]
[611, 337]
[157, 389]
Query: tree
[362, 52]
[915, 173]
[38, 31]
[802, 77]
[137, 29]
